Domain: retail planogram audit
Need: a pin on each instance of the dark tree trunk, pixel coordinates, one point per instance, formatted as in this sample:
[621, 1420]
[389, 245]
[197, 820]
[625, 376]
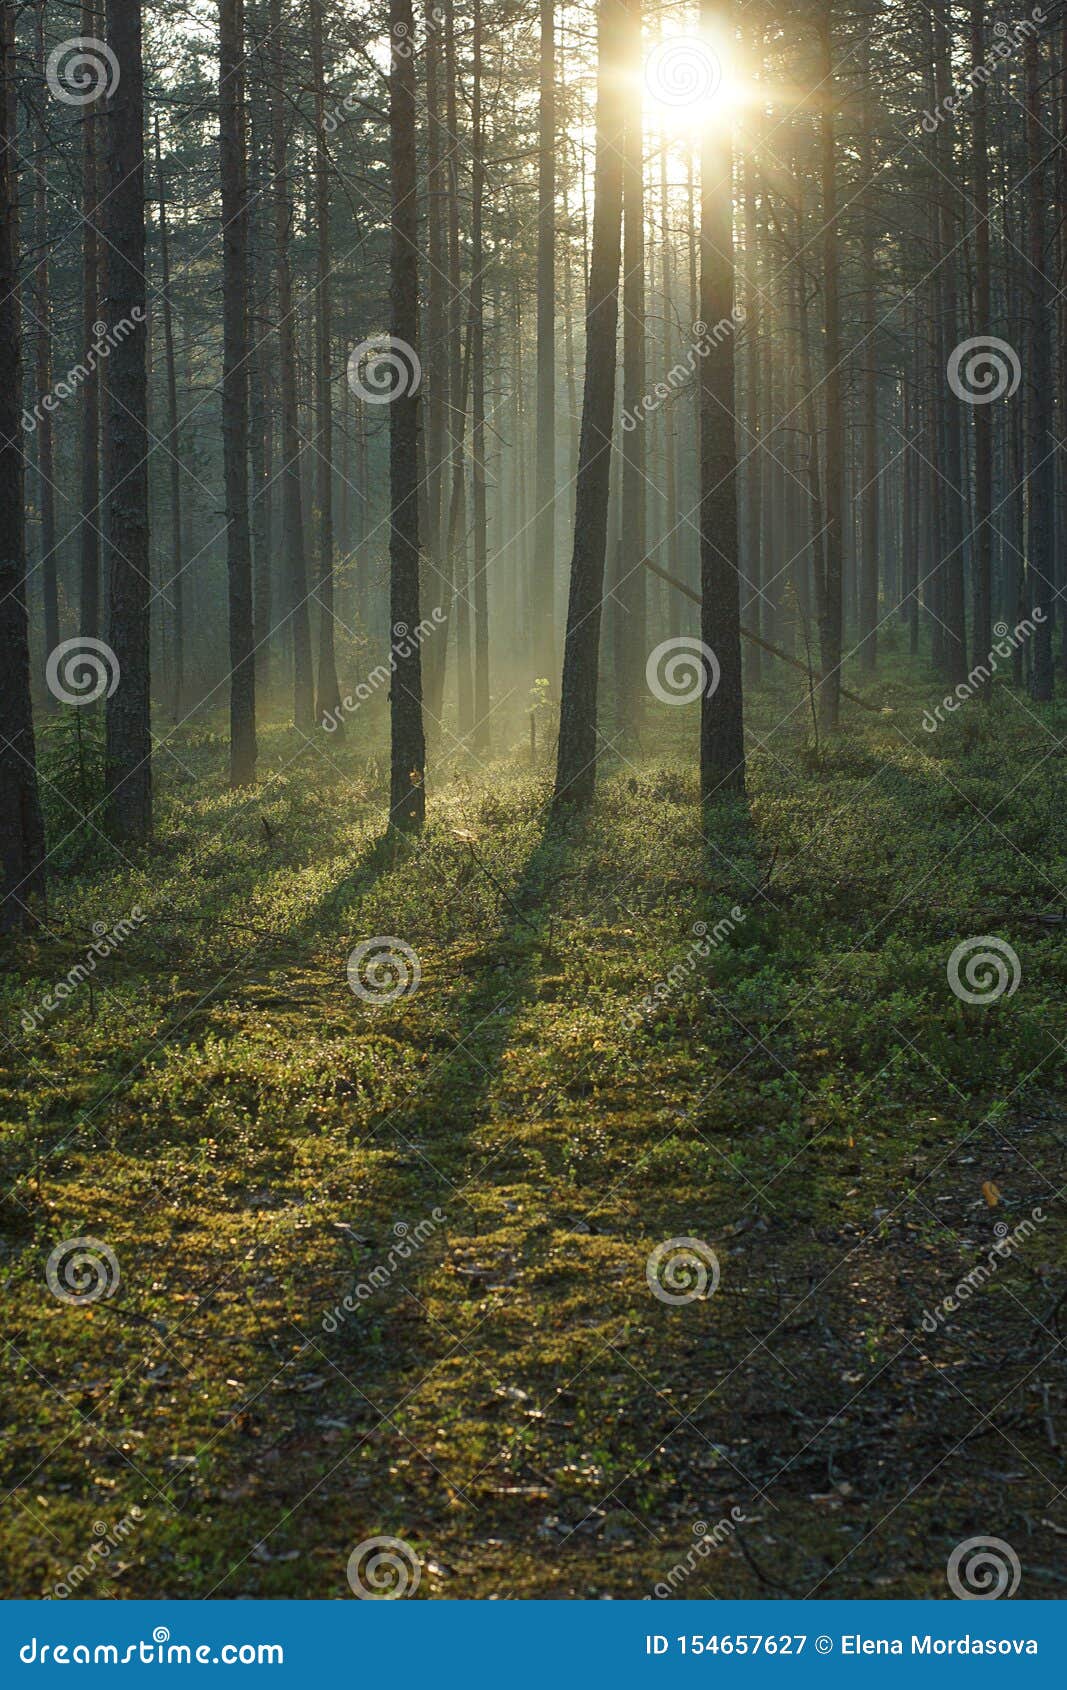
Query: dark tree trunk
[1040, 443]
[477, 290]
[407, 788]
[22, 846]
[722, 738]
[128, 747]
[544, 584]
[235, 390]
[92, 115]
[43, 342]
[630, 605]
[576, 760]
[329, 693]
[831, 610]
[174, 586]
[982, 538]
[292, 497]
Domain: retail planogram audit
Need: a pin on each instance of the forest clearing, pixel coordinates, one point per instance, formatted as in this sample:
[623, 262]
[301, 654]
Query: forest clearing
[533, 924]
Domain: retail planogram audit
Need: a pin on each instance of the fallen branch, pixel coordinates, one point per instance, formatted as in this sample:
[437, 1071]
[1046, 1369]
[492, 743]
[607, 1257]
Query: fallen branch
[764, 645]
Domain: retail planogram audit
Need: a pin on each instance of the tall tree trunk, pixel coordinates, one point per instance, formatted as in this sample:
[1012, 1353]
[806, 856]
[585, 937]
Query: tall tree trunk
[407, 788]
[292, 497]
[576, 758]
[435, 548]
[982, 537]
[831, 611]
[43, 345]
[22, 845]
[459, 378]
[722, 738]
[128, 739]
[953, 613]
[235, 389]
[630, 605]
[544, 585]
[92, 116]
[329, 693]
[1040, 444]
[477, 291]
[174, 586]
[869, 480]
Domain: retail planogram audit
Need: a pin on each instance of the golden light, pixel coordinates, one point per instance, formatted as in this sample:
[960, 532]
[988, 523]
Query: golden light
[691, 80]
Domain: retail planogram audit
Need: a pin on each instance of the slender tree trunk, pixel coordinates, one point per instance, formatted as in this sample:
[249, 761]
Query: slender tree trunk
[292, 497]
[235, 389]
[576, 760]
[630, 602]
[544, 593]
[953, 613]
[174, 585]
[722, 739]
[92, 114]
[1040, 444]
[22, 845]
[982, 538]
[43, 373]
[869, 480]
[438, 581]
[407, 789]
[128, 747]
[477, 292]
[329, 693]
[753, 604]
[831, 615]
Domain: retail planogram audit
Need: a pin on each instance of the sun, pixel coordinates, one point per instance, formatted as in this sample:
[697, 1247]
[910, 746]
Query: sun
[690, 80]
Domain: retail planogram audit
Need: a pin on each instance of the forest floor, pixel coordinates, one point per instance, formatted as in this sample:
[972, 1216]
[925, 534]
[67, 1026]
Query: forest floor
[811, 1100]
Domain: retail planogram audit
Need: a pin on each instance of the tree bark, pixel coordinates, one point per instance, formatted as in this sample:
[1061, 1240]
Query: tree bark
[234, 179]
[22, 845]
[576, 758]
[407, 789]
[292, 496]
[722, 739]
[128, 739]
